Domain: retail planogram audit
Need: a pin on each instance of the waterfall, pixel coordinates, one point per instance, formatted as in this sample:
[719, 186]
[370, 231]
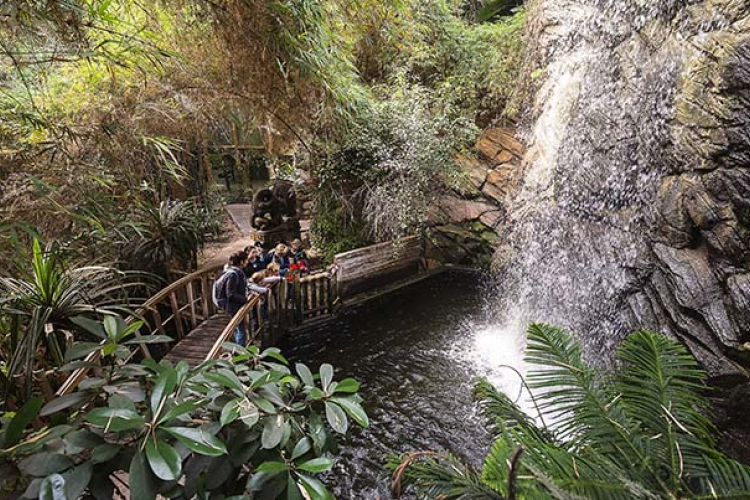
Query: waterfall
[592, 243]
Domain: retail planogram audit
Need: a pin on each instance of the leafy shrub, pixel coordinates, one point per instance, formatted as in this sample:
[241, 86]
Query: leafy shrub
[637, 432]
[37, 310]
[247, 427]
[385, 170]
[171, 232]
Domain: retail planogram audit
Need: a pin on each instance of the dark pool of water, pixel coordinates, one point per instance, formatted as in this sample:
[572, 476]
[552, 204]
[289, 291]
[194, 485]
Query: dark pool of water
[409, 351]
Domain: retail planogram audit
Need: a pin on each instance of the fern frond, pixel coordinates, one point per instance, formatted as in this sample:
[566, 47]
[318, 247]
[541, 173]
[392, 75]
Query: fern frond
[504, 414]
[659, 384]
[443, 476]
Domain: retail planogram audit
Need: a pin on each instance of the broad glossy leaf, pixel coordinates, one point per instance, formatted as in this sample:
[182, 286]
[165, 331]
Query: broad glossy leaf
[272, 467]
[115, 419]
[348, 385]
[163, 388]
[90, 326]
[227, 379]
[264, 405]
[275, 353]
[45, 464]
[316, 465]
[143, 483]
[198, 440]
[292, 490]
[314, 488]
[80, 350]
[77, 480]
[249, 414]
[336, 418]
[104, 453]
[316, 393]
[74, 399]
[303, 446]
[181, 409]
[112, 326]
[230, 412]
[354, 409]
[305, 374]
[326, 375]
[21, 420]
[164, 460]
[273, 431]
[83, 439]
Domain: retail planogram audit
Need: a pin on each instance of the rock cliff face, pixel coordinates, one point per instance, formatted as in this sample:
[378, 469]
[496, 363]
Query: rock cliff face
[467, 224]
[633, 209]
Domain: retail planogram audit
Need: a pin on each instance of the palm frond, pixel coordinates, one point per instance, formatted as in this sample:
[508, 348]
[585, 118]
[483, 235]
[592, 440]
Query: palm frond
[659, 384]
[441, 476]
[504, 414]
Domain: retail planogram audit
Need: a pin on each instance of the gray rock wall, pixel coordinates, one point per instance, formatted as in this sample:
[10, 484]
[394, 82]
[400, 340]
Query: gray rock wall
[634, 206]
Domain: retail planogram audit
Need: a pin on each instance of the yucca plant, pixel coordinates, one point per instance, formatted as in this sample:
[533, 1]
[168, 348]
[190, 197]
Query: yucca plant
[640, 431]
[165, 232]
[37, 308]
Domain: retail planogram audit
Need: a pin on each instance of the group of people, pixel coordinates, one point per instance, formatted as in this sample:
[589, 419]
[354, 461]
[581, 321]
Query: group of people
[253, 271]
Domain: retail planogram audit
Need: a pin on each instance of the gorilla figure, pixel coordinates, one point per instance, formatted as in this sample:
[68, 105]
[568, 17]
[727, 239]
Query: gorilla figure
[273, 204]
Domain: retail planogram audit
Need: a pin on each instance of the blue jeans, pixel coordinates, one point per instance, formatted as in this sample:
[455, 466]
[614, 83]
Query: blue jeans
[240, 335]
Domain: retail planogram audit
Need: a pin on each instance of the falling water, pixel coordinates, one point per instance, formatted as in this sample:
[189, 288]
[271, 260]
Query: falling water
[600, 141]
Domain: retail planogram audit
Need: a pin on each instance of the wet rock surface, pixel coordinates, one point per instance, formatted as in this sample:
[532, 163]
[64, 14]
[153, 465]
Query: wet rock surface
[633, 206]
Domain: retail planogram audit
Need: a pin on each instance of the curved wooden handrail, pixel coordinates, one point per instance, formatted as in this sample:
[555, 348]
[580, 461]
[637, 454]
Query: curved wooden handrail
[241, 316]
[150, 307]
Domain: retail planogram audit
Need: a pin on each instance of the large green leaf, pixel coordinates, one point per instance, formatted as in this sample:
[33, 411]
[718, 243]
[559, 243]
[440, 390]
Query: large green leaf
[273, 430]
[45, 464]
[348, 385]
[143, 484]
[74, 399]
[305, 374]
[316, 465]
[351, 405]
[19, 422]
[164, 460]
[198, 440]
[163, 387]
[314, 488]
[116, 419]
[336, 417]
[326, 376]
[77, 480]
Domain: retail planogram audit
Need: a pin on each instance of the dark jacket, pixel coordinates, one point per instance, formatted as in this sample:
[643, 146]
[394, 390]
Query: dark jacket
[236, 289]
[300, 257]
[259, 264]
[283, 261]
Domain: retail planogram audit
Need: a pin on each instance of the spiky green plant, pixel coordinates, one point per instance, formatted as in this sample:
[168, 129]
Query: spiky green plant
[38, 307]
[171, 231]
[640, 431]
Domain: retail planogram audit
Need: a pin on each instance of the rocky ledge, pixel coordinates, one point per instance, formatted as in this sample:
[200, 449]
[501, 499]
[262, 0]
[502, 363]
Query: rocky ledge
[466, 223]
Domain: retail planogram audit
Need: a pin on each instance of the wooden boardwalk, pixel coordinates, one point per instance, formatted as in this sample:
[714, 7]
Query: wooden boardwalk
[194, 347]
[185, 312]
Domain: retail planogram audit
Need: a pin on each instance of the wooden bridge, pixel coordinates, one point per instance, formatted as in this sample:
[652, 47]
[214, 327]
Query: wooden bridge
[185, 310]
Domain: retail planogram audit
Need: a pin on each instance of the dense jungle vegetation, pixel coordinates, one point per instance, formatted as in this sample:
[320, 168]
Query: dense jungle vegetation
[113, 116]
[105, 106]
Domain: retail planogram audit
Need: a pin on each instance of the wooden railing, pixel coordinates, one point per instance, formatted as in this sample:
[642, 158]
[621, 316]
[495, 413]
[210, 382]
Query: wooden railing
[174, 311]
[179, 308]
[314, 295]
[289, 303]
